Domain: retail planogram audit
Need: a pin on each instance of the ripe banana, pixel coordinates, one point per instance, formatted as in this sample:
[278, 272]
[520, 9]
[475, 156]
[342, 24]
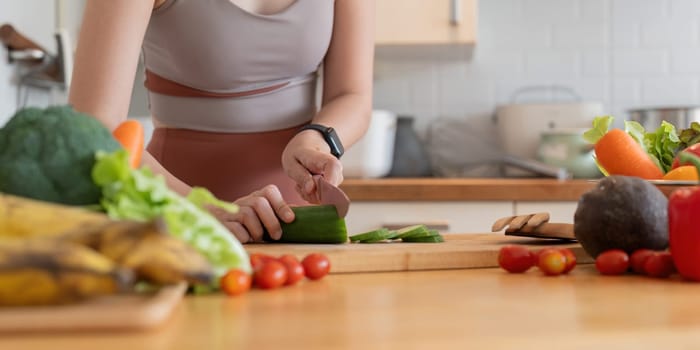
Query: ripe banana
[147, 249]
[47, 272]
[144, 247]
[23, 217]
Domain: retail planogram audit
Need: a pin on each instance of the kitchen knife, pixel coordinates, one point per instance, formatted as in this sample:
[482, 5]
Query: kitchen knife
[331, 194]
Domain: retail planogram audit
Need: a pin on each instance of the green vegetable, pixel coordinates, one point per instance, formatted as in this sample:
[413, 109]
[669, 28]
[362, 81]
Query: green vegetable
[313, 224]
[427, 239]
[601, 125]
[661, 144]
[413, 233]
[374, 235]
[414, 230]
[689, 136]
[48, 154]
[138, 194]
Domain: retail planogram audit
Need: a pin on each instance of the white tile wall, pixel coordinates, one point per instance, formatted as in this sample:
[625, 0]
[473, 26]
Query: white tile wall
[624, 53]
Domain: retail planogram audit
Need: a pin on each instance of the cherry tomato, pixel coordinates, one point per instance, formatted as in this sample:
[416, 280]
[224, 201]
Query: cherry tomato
[235, 282]
[570, 259]
[316, 266]
[257, 260]
[271, 274]
[295, 270]
[638, 260]
[659, 265]
[515, 258]
[551, 262]
[612, 262]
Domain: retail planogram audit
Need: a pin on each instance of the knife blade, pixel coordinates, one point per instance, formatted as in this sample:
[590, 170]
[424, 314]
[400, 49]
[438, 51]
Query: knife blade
[331, 194]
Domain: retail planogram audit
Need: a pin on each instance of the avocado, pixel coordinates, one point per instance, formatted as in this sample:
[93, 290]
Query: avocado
[622, 212]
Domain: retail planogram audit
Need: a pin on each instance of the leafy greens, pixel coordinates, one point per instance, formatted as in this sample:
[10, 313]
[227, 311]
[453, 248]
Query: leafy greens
[138, 194]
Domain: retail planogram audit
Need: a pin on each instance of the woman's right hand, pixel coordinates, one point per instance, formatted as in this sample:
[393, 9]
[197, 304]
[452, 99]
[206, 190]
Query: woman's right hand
[258, 211]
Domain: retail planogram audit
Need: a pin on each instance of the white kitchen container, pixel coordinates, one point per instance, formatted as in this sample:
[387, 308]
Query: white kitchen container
[372, 155]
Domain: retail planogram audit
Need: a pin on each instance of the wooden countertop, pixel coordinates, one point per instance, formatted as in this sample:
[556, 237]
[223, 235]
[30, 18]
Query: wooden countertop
[448, 309]
[468, 189]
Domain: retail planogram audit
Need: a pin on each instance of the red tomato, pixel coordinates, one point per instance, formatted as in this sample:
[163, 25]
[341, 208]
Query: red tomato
[551, 262]
[295, 270]
[316, 266]
[638, 258]
[257, 260]
[515, 258]
[694, 149]
[659, 265]
[272, 274]
[235, 282]
[612, 262]
[570, 259]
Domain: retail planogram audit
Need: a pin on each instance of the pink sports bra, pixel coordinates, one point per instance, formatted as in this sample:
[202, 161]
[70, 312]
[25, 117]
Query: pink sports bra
[212, 66]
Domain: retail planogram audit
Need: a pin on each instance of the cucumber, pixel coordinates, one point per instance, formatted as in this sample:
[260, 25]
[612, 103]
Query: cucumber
[414, 230]
[389, 236]
[427, 239]
[426, 233]
[373, 235]
[313, 224]
[414, 233]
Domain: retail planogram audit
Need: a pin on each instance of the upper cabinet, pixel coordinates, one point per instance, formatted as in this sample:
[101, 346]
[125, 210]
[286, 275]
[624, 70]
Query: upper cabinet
[426, 22]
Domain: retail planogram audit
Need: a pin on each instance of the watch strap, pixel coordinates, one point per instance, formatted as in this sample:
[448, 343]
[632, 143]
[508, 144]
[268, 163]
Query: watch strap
[329, 135]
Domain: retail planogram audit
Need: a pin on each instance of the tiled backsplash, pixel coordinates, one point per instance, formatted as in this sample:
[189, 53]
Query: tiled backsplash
[624, 53]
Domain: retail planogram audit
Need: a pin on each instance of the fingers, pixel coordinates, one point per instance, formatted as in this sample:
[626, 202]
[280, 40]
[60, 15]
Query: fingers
[259, 212]
[312, 163]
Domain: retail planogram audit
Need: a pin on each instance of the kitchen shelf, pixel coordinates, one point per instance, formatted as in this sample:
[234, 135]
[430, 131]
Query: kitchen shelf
[464, 189]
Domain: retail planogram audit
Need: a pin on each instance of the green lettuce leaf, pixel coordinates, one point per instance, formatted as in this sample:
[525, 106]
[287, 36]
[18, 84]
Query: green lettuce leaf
[138, 194]
[600, 128]
[690, 136]
[662, 145]
[637, 132]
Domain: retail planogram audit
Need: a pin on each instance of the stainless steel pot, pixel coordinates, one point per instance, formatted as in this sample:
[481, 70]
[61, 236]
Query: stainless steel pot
[680, 117]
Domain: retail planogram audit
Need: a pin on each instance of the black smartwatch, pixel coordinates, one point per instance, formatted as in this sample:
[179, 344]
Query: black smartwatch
[330, 136]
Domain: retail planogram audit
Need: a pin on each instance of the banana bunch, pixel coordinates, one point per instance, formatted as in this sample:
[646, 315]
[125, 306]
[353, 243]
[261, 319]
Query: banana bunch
[52, 254]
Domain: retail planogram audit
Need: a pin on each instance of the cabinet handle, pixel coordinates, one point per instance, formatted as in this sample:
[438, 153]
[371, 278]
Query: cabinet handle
[455, 11]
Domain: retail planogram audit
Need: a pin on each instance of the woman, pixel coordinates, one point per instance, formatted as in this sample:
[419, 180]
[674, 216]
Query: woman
[231, 84]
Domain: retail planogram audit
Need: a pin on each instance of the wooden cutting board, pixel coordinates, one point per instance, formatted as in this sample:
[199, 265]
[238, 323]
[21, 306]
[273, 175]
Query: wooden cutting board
[459, 251]
[115, 312]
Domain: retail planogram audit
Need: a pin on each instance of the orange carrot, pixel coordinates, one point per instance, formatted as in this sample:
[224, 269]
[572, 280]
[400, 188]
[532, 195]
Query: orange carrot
[619, 154]
[130, 135]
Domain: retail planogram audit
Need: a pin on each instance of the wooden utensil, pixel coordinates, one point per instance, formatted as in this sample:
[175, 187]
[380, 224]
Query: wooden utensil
[534, 225]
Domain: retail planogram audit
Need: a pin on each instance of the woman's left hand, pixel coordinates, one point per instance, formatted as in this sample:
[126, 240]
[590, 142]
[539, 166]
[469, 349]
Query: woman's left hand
[307, 154]
[258, 212]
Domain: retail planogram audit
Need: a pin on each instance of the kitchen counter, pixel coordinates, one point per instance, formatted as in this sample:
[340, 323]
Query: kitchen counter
[468, 189]
[448, 309]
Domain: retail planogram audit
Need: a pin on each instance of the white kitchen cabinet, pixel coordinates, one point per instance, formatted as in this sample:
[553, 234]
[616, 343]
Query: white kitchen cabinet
[558, 211]
[459, 217]
[431, 22]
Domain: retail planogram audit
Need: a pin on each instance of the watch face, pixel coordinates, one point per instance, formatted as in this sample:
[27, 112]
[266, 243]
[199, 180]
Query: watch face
[334, 142]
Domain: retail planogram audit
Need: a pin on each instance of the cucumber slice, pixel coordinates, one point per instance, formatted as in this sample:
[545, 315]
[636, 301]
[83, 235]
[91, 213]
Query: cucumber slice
[427, 239]
[379, 234]
[413, 230]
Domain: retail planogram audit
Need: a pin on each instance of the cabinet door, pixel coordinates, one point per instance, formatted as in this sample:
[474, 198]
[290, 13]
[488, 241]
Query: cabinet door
[402, 22]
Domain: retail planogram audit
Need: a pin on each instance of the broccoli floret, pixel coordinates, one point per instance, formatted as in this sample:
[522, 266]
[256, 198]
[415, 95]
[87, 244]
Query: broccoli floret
[48, 154]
